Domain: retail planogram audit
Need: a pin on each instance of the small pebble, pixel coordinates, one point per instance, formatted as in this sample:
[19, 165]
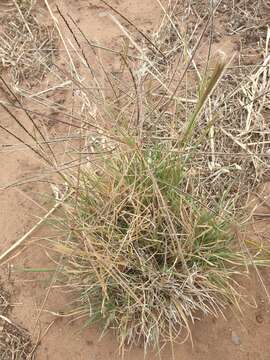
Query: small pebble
[259, 318]
[267, 153]
[235, 338]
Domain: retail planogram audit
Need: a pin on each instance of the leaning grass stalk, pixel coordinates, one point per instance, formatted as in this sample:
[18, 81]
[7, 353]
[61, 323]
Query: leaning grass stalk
[173, 94]
[20, 241]
[31, 120]
[23, 18]
[211, 84]
[74, 71]
[86, 124]
[23, 142]
[134, 26]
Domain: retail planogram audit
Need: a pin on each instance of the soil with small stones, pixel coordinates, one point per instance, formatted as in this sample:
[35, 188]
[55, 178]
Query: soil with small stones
[242, 338]
[15, 342]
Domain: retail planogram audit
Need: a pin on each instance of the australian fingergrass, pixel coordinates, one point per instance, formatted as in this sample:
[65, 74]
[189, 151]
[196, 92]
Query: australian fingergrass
[148, 240]
[144, 254]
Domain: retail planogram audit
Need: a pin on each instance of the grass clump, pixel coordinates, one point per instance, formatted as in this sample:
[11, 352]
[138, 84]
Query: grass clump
[145, 255]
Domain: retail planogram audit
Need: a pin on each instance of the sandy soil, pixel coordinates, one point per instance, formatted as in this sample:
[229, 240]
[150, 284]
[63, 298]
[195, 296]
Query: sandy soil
[244, 337]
